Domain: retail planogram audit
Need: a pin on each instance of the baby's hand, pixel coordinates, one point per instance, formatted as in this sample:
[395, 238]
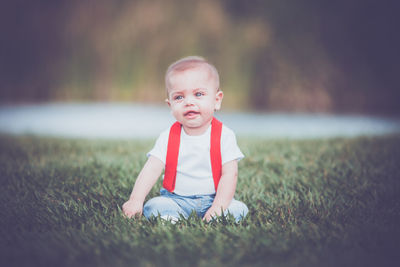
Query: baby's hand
[132, 207]
[213, 211]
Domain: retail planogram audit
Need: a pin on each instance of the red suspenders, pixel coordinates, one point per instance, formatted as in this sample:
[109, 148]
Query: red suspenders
[173, 152]
[171, 162]
[215, 151]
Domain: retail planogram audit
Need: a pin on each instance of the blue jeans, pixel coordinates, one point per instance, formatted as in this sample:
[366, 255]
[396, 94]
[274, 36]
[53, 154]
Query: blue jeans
[170, 206]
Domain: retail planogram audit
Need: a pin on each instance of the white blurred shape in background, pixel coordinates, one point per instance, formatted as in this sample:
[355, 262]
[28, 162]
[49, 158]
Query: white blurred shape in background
[125, 121]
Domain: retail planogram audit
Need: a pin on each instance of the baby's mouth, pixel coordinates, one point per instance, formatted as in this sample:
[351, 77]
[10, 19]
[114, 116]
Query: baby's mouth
[191, 113]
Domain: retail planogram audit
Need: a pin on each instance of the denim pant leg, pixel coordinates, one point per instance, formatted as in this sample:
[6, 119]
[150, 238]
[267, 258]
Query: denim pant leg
[165, 206]
[238, 209]
[171, 206]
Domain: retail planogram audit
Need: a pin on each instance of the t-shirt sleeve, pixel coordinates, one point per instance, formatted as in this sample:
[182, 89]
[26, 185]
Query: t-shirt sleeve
[160, 148]
[229, 148]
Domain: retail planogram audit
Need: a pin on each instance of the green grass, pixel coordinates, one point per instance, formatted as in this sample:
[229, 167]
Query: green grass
[312, 203]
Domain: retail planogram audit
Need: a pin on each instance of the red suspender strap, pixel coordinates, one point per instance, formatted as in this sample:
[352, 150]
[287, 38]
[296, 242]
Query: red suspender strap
[171, 161]
[173, 153]
[215, 151]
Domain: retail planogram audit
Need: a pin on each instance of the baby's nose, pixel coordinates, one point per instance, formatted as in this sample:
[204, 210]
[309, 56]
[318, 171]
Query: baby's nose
[189, 100]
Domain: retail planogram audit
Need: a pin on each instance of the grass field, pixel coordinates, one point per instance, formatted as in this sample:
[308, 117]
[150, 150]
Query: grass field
[329, 202]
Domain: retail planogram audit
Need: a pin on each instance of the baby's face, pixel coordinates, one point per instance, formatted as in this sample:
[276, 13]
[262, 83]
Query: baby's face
[193, 97]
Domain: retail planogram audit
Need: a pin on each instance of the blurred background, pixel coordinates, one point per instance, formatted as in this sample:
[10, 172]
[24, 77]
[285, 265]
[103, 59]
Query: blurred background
[272, 55]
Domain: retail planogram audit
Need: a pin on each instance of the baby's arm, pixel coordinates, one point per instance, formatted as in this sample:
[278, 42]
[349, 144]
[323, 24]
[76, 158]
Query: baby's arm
[145, 181]
[226, 190]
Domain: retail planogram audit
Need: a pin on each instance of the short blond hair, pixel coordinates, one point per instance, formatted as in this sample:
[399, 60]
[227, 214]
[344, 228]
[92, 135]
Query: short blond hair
[190, 62]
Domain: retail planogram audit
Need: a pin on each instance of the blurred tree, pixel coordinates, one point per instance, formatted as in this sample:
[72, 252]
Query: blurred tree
[31, 45]
[283, 55]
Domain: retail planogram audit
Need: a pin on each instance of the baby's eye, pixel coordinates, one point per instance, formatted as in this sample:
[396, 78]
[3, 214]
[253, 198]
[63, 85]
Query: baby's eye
[199, 94]
[178, 97]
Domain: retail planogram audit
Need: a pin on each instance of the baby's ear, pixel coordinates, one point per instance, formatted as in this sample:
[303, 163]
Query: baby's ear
[218, 99]
[167, 101]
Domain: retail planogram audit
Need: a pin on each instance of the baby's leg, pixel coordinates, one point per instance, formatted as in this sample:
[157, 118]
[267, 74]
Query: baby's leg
[166, 207]
[238, 209]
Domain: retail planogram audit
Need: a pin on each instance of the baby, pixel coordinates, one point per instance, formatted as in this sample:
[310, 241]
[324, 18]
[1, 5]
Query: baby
[200, 154]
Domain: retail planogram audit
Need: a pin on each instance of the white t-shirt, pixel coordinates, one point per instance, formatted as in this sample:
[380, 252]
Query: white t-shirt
[194, 175]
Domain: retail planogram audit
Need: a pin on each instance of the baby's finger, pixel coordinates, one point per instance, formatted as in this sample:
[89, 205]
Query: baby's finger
[128, 214]
[207, 217]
